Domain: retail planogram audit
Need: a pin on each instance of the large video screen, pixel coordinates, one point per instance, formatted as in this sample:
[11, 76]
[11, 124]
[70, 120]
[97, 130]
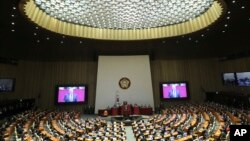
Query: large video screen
[7, 85]
[71, 94]
[174, 90]
[243, 78]
[229, 79]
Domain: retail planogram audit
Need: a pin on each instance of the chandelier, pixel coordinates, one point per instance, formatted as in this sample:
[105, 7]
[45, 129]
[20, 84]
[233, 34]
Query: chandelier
[123, 19]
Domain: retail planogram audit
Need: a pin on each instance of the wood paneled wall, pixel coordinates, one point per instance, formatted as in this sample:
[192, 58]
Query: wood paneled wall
[34, 77]
[200, 74]
[238, 65]
[40, 78]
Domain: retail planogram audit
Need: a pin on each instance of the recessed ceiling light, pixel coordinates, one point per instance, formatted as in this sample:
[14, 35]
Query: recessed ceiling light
[208, 29]
[228, 17]
[223, 31]
[163, 42]
[63, 36]
[202, 35]
[35, 34]
[228, 12]
[12, 15]
[38, 41]
[47, 38]
[61, 42]
[12, 30]
[189, 38]
[13, 23]
[14, 8]
[80, 42]
[242, 7]
[233, 1]
[36, 27]
[225, 25]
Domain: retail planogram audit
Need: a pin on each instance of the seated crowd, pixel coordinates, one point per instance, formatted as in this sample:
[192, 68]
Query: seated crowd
[60, 126]
[180, 122]
[177, 122]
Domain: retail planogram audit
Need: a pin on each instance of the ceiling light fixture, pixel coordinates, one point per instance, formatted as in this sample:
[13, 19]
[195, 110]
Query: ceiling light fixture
[123, 19]
[124, 14]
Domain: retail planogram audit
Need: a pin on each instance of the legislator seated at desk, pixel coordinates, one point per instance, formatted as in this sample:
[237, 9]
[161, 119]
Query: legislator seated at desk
[126, 109]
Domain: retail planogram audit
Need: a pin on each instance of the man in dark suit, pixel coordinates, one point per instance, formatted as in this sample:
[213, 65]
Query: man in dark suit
[71, 96]
[174, 93]
[126, 109]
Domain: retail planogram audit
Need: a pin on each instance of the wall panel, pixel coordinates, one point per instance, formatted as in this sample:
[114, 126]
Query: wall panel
[35, 77]
[38, 79]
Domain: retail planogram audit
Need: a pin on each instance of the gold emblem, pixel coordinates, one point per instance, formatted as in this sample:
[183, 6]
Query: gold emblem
[124, 83]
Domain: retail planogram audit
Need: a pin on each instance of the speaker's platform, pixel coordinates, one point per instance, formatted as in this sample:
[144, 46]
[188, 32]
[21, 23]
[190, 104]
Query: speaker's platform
[128, 120]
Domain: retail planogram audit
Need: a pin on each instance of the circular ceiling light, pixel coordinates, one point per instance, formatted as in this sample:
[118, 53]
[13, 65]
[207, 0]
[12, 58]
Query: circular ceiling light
[124, 14]
[123, 19]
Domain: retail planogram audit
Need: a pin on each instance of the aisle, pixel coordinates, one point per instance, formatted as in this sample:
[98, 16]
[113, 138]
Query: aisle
[129, 133]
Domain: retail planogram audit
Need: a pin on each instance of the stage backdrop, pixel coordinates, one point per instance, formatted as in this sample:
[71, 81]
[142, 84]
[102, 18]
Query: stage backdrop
[111, 69]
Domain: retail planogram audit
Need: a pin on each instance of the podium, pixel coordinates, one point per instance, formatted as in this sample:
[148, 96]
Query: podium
[126, 110]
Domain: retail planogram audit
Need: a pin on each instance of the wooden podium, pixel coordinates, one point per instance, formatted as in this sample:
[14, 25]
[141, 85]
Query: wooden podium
[126, 110]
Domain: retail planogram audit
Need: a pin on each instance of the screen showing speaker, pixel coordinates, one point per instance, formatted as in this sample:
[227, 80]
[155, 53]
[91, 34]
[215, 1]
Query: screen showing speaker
[243, 78]
[236, 79]
[71, 94]
[7, 85]
[229, 79]
[174, 90]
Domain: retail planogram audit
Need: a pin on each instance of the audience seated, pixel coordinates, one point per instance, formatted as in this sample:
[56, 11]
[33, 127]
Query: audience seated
[179, 122]
[188, 122]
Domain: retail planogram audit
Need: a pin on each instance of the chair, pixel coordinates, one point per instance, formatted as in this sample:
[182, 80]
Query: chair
[136, 110]
[114, 111]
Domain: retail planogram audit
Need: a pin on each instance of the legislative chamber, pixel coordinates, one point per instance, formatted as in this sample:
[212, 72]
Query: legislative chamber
[124, 70]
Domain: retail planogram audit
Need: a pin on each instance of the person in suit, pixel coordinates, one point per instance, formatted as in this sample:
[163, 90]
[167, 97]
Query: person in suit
[71, 96]
[174, 93]
[126, 109]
